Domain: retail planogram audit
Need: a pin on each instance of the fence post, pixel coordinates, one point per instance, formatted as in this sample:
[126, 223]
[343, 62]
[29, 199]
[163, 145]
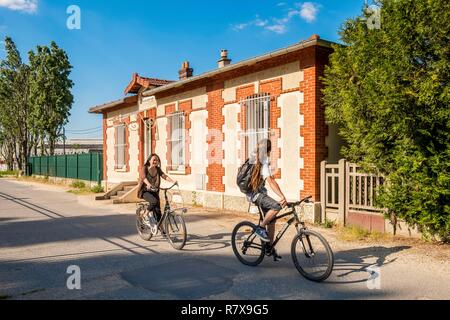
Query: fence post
[90, 166]
[347, 190]
[99, 178]
[342, 185]
[65, 166]
[323, 191]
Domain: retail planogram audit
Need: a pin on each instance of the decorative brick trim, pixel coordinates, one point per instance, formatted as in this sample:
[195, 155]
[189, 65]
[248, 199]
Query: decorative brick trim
[290, 90]
[141, 118]
[274, 88]
[186, 107]
[314, 129]
[151, 114]
[214, 122]
[105, 147]
[127, 145]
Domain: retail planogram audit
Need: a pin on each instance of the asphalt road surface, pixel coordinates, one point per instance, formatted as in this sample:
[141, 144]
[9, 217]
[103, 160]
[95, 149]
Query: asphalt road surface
[46, 232]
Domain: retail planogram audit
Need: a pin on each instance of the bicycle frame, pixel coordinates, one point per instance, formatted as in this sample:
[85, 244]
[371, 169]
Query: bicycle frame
[294, 220]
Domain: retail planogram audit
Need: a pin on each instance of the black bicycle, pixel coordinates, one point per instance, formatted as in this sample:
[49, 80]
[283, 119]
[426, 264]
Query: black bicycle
[171, 224]
[311, 253]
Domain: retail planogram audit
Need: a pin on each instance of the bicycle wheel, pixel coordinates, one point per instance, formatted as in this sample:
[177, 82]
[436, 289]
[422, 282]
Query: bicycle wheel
[175, 228]
[144, 230]
[312, 255]
[247, 246]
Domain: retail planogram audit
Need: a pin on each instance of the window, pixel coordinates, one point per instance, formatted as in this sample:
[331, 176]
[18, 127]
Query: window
[257, 112]
[147, 138]
[120, 146]
[177, 142]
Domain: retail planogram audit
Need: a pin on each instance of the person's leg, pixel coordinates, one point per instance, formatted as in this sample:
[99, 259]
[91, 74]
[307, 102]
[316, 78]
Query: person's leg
[270, 207]
[157, 207]
[152, 202]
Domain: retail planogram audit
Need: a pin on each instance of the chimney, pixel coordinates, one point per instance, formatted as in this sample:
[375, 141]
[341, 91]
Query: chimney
[185, 72]
[224, 61]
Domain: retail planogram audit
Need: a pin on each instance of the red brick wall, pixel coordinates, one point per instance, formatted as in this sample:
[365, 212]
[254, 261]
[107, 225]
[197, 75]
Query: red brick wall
[314, 129]
[214, 122]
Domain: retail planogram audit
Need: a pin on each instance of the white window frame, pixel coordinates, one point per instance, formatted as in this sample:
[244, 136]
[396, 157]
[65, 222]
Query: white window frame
[120, 147]
[257, 120]
[177, 142]
[147, 138]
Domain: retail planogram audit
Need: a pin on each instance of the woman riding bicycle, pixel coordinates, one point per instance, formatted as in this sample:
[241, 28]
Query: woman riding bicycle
[260, 174]
[150, 180]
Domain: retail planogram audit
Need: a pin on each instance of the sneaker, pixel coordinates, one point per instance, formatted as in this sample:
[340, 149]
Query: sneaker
[262, 233]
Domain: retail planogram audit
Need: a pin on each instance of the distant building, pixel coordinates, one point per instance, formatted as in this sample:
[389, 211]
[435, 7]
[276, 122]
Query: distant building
[74, 146]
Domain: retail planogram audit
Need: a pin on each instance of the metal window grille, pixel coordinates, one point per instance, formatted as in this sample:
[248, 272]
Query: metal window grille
[177, 141]
[257, 111]
[120, 146]
[147, 138]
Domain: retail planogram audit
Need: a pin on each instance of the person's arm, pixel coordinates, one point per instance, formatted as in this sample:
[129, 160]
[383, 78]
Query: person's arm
[276, 188]
[166, 177]
[144, 179]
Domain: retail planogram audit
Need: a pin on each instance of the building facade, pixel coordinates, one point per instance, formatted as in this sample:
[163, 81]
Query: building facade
[204, 127]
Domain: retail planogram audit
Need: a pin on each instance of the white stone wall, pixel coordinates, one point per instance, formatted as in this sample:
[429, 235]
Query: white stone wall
[231, 147]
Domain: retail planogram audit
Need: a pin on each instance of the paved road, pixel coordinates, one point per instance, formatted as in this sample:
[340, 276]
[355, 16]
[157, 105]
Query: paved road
[44, 230]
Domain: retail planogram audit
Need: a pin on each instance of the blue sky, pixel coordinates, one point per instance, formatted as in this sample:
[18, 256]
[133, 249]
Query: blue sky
[153, 38]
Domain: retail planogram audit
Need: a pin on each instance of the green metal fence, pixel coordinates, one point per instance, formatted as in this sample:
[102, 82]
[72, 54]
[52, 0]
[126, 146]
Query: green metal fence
[87, 166]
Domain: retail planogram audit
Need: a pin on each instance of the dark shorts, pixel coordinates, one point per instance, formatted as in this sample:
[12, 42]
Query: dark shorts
[266, 203]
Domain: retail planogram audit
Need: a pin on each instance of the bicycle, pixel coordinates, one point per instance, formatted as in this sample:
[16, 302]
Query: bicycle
[171, 223]
[311, 253]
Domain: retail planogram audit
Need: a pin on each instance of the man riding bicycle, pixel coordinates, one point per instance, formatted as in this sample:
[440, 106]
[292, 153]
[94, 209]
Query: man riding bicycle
[261, 173]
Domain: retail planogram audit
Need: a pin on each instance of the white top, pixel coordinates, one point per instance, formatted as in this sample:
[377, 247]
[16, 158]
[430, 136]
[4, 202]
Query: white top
[265, 173]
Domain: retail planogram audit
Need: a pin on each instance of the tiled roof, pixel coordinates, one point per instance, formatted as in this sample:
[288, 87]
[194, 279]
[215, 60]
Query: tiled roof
[138, 82]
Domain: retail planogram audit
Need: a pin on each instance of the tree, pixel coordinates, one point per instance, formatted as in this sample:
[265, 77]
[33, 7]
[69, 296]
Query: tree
[50, 92]
[14, 103]
[388, 91]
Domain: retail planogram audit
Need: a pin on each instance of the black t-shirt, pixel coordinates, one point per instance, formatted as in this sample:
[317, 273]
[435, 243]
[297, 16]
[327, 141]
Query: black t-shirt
[153, 176]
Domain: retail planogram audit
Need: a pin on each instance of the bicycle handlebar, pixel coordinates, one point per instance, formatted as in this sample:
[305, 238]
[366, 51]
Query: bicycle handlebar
[166, 189]
[294, 204]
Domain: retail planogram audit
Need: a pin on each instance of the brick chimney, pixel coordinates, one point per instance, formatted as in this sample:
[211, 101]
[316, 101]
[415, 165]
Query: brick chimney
[224, 61]
[185, 72]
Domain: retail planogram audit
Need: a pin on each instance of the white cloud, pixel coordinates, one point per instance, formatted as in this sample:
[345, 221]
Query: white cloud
[309, 11]
[255, 22]
[277, 28]
[28, 6]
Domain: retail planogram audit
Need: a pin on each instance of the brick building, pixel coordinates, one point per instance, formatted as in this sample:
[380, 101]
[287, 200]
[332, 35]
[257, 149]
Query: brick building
[203, 127]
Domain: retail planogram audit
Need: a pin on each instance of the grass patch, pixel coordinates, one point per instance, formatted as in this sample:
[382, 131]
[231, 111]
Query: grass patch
[356, 233]
[9, 173]
[97, 189]
[78, 184]
[328, 224]
[4, 297]
[82, 189]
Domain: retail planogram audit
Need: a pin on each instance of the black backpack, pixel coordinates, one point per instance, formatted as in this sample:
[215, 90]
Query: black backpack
[244, 176]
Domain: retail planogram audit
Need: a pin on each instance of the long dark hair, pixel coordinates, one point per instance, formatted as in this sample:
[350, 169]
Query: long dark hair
[262, 150]
[147, 163]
